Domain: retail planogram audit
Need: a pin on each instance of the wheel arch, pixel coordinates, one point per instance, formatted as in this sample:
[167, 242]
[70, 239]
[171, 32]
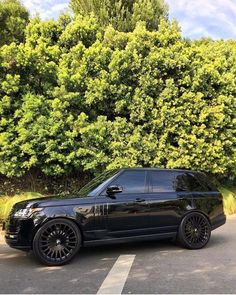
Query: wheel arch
[54, 218]
[198, 234]
[196, 211]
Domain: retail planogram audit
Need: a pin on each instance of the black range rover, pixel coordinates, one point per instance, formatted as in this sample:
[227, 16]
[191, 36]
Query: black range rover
[118, 206]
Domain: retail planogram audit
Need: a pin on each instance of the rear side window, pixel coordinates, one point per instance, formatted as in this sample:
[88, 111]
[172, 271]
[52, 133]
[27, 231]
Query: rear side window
[131, 181]
[162, 181]
[205, 182]
[189, 182]
[181, 182]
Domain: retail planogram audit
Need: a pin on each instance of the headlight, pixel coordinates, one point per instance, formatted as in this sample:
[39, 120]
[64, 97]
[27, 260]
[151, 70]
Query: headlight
[24, 213]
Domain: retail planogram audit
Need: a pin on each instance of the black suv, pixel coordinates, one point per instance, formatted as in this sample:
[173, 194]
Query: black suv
[118, 206]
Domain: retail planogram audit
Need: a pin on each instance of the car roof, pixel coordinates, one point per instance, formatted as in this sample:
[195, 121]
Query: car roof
[160, 169]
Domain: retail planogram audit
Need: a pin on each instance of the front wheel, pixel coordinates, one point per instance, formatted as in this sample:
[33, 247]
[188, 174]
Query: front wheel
[194, 231]
[57, 242]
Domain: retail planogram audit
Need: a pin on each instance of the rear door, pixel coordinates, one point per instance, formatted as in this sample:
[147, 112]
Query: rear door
[168, 199]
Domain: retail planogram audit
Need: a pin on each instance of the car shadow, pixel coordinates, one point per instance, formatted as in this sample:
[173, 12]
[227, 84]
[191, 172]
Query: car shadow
[106, 252]
[218, 240]
[129, 247]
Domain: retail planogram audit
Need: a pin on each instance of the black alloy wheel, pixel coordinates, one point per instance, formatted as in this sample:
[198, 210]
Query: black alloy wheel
[57, 242]
[194, 231]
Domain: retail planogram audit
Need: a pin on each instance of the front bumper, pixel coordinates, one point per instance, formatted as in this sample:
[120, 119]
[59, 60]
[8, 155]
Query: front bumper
[19, 233]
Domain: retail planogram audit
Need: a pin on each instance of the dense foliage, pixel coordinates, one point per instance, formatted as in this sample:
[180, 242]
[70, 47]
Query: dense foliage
[79, 97]
[123, 15]
[13, 20]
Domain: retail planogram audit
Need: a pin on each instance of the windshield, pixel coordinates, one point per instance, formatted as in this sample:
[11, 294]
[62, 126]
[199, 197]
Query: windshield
[91, 188]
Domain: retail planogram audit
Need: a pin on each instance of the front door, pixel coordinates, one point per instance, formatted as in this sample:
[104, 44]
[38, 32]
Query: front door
[127, 212]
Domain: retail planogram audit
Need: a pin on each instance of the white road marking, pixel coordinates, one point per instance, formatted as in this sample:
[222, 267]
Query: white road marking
[116, 278]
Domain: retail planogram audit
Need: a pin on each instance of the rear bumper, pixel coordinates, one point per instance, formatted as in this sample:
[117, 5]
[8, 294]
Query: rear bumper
[218, 221]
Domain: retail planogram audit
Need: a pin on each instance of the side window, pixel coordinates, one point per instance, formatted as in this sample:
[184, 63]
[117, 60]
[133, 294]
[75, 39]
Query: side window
[188, 182]
[131, 181]
[205, 182]
[162, 181]
[181, 182]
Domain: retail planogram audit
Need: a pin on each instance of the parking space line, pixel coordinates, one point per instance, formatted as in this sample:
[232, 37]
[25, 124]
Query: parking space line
[116, 278]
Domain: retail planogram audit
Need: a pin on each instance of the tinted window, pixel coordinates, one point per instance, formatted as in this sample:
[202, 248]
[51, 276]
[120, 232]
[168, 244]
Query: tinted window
[162, 181]
[131, 181]
[94, 185]
[181, 182]
[188, 182]
[205, 182]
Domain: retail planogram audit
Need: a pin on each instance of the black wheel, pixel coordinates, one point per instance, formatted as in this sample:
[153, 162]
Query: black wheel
[194, 231]
[57, 242]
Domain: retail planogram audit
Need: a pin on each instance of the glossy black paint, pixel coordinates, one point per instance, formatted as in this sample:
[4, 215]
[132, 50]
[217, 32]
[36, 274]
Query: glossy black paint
[119, 217]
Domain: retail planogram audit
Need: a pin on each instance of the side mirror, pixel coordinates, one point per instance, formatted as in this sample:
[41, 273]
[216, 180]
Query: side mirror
[114, 189]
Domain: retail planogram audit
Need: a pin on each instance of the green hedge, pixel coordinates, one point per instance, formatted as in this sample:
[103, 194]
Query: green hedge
[77, 97]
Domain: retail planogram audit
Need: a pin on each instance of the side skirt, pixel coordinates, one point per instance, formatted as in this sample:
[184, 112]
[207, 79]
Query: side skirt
[160, 236]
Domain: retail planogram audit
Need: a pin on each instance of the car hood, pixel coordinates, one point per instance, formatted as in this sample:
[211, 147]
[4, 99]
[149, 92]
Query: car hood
[52, 200]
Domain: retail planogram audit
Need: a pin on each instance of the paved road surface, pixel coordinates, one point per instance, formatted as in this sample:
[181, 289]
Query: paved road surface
[152, 267]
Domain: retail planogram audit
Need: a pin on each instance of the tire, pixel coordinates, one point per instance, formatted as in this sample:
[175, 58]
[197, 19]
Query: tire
[194, 231]
[57, 242]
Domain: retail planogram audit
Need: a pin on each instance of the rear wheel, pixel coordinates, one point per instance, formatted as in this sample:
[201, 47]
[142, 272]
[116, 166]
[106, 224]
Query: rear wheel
[194, 231]
[57, 242]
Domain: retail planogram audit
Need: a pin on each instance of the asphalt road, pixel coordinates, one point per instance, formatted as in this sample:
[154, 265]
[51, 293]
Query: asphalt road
[155, 267]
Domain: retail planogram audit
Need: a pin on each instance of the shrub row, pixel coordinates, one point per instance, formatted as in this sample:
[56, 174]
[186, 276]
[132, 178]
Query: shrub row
[77, 97]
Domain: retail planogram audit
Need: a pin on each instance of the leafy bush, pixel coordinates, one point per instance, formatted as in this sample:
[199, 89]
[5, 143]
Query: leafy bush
[77, 97]
[123, 15]
[14, 18]
[6, 203]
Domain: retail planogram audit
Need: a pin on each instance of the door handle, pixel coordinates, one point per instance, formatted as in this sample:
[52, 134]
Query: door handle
[139, 200]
